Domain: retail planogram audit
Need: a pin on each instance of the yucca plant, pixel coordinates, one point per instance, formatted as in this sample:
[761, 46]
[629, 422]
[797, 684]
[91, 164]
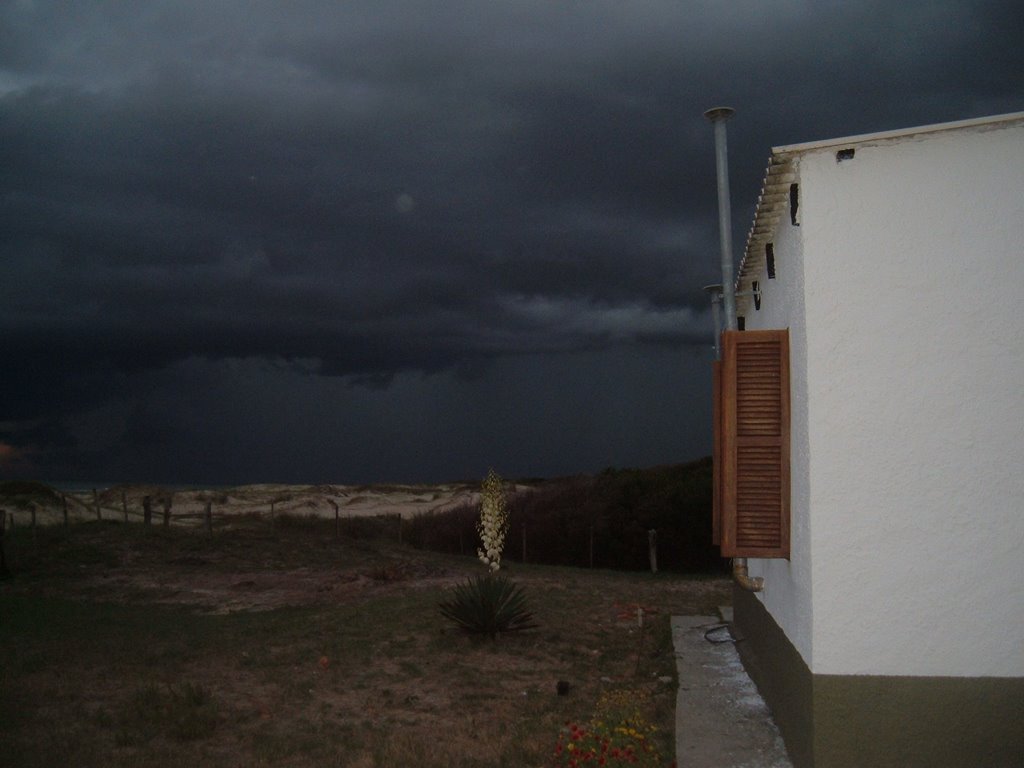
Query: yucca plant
[493, 523]
[488, 605]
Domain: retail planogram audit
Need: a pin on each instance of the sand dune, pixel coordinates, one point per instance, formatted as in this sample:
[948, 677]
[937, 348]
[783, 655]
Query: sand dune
[258, 499]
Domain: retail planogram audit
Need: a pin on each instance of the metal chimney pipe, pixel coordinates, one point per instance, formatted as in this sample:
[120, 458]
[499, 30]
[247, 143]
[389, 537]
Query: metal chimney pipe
[718, 116]
[715, 292]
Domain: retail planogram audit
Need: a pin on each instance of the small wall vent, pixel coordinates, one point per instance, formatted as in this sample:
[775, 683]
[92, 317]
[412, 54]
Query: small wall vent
[769, 259]
[845, 154]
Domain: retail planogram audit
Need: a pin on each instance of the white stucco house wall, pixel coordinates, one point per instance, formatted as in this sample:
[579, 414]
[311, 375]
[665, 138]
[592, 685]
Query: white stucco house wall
[894, 632]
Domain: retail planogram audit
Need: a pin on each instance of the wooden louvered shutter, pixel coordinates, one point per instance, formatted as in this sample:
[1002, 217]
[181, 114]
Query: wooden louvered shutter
[755, 444]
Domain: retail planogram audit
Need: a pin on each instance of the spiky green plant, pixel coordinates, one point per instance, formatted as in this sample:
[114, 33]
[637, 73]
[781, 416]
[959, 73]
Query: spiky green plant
[488, 605]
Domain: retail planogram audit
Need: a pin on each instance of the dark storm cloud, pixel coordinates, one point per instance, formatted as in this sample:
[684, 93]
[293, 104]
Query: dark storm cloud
[369, 193]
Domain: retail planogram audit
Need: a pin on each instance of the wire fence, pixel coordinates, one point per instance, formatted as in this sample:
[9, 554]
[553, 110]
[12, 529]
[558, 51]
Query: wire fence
[26, 524]
[23, 527]
[630, 520]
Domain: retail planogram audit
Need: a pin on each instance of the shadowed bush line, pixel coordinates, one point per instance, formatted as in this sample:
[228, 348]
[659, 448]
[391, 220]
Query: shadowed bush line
[23, 494]
[602, 518]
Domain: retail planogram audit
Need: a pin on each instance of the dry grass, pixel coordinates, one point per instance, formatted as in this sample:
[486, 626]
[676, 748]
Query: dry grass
[279, 645]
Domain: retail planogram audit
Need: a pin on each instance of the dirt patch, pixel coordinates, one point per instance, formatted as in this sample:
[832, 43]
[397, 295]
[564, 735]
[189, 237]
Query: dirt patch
[240, 572]
[222, 593]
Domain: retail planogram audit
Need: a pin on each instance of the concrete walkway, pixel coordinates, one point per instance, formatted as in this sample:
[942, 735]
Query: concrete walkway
[721, 719]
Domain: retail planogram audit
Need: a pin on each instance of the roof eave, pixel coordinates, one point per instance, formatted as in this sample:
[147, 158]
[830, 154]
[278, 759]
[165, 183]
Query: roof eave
[781, 172]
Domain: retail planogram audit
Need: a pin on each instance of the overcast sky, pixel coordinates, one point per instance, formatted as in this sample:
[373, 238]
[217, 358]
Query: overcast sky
[391, 240]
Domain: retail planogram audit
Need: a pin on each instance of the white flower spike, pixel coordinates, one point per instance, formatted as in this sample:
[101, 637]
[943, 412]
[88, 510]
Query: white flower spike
[493, 523]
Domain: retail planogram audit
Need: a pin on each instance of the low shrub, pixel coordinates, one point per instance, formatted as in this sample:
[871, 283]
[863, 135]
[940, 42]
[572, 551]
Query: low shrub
[23, 494]
[299, 522]
[184, 713]
[600, 520]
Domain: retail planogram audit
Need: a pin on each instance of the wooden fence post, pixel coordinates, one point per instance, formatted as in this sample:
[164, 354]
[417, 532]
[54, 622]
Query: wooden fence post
[337, 518]
[147, 511]
[652, 549]
[65, 498]
[209, 518]
[167, 510]
[96, 504]
[3, 543]
[271, 509]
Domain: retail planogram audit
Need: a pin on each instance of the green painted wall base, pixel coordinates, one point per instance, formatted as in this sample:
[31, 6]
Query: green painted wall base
[872, 721]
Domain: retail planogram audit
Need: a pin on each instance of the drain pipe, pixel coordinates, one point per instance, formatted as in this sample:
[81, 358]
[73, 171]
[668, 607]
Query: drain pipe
[718, 117]
[743, 578]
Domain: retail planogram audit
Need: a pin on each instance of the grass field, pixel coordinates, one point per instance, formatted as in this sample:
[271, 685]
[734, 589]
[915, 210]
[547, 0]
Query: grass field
[274, 643]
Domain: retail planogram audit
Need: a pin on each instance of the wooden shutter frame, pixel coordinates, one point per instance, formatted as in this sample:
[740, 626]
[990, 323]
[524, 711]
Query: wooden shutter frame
[755, 455]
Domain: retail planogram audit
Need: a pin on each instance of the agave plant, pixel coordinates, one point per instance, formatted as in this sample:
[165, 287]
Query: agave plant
[488, 605]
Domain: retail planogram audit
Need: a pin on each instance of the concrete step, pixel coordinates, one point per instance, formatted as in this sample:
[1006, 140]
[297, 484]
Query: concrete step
[721, 719]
